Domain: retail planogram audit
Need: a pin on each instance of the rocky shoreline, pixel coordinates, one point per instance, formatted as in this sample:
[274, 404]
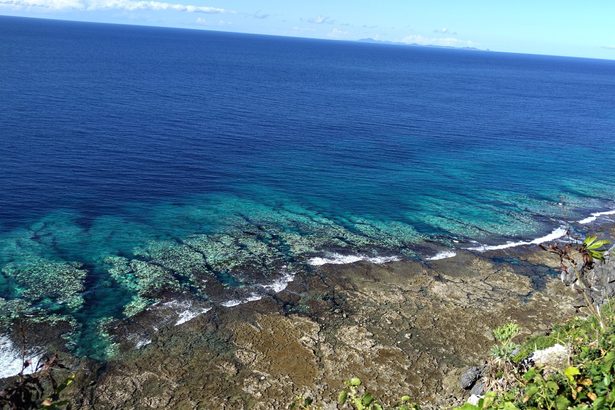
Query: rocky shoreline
[402, 327]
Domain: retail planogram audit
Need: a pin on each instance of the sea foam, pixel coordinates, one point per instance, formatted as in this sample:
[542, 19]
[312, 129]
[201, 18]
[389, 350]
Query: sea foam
[442, 255]
[185, 311]
[276, 286]
[556, 234]
[594, 216]
[11, 360]
[236, 302]
[339, 259]
[280, 284]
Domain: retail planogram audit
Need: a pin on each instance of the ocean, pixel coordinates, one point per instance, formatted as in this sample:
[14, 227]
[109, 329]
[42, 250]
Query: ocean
[140, 163]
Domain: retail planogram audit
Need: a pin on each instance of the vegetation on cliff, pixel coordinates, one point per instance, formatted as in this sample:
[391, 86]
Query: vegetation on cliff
[571, 368]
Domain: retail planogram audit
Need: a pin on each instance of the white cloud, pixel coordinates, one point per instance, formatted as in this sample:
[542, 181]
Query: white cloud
[437, 41]
[321, 20]
[609, 47]
[131, 5]
[260, 16]
[337, 33]
[46, 4]
[444, 30]
[128, 5]
[297, 30]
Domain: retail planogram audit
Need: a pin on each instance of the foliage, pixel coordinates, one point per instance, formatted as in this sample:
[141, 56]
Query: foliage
[593, 248]
[588, 382]
[302, 403]
[39, 390]
[505, 349]
[355, 396]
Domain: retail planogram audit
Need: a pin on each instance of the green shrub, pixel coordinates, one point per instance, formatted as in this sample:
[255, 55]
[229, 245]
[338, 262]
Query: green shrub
[587, 383]
[505, 349]
[355, 396]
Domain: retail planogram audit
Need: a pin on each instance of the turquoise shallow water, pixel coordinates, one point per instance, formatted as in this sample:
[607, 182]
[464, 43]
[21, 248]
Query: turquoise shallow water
[140, 164]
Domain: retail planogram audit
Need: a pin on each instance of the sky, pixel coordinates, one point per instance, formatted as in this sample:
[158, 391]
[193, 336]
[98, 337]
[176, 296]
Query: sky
[565, 27]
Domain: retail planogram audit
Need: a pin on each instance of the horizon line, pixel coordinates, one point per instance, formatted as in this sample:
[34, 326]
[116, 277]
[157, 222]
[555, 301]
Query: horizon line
[364, 41]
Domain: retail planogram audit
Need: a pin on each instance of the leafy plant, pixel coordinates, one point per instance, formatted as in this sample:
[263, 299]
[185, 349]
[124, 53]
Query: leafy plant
[302, 403]
[355, 396]
[505, 348]
[587, 383]
[593, 248]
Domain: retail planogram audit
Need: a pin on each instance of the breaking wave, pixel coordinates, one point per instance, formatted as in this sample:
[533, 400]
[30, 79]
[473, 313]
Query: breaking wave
[339, 259]
[442, 255]
[554, 235]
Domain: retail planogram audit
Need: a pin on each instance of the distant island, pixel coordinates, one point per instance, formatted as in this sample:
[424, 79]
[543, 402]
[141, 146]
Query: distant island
[399, 43]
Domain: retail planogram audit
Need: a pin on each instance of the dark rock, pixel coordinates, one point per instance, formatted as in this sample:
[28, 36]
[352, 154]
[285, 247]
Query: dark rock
[601, 278]
[469, 377]
[479, 388]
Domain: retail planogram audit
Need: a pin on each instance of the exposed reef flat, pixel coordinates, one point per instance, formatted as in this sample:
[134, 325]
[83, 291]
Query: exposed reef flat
[402, 327]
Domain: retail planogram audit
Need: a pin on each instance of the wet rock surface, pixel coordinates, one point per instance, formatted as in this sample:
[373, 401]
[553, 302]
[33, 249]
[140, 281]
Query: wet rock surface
[469, 377]
[602, 278]
[403, 328]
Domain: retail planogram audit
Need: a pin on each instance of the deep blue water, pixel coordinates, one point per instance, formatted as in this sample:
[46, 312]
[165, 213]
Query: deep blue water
[137, 160]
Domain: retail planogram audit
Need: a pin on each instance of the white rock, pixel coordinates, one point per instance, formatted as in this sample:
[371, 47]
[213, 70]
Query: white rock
[474, 399]
[554, 356]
